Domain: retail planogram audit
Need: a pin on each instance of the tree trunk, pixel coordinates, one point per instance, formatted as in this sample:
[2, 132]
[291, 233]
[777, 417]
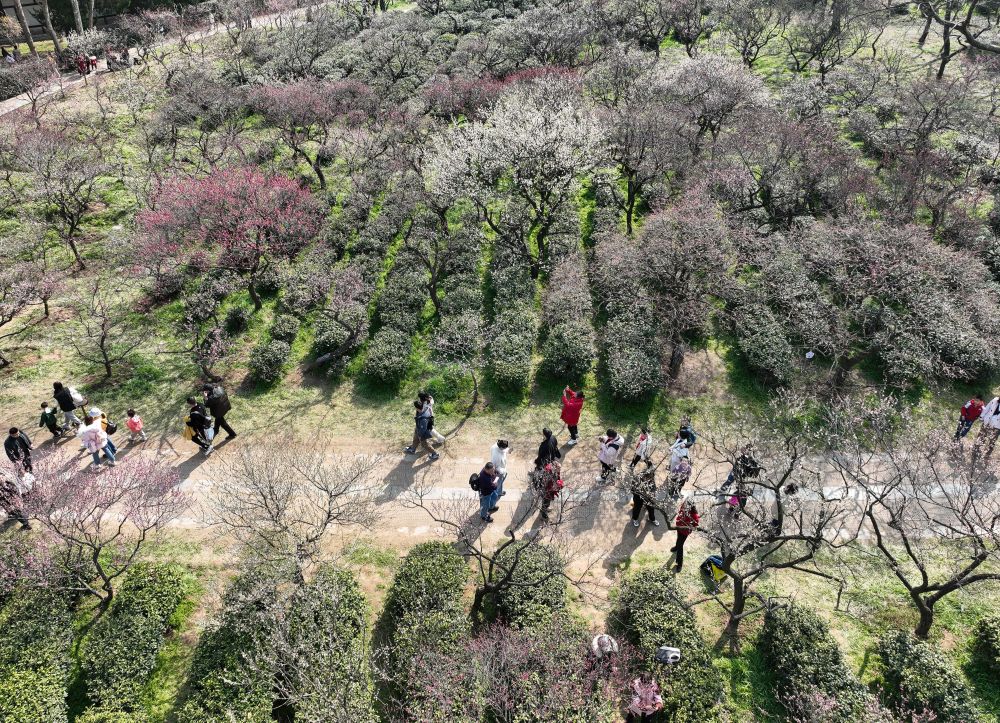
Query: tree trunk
[631, 193]
[76, 253]
[676, 360]
[732, 631]
[77, 19]
[47, 21]
[23, 22]
[90, 14]
[476, 610]
[923, 34]
[258, 303]
[926, 611]
[945, 52]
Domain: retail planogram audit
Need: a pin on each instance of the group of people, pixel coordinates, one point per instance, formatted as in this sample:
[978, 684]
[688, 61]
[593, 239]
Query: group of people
[988, 415]
[206, 417]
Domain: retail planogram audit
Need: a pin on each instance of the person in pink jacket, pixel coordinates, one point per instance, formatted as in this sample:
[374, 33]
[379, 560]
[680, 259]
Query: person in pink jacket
[134, 424]
[95, 441]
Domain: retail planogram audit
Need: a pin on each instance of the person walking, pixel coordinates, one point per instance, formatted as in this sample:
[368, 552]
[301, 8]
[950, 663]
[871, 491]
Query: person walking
[686, 433]
[680, 473]
[644, 493]
[643, 450]
[988, 430]
[95, 440]
[550, 484]
[427, 408]
[107, 425]
[686, 522]
[18, 448]
[135, 427]
[548, 450]
[611, 446]
[200, 426]
[68, 400]
[572, 406]
[498, 456]
[968, 414]
[487, 486]
[745, 468]
[421, 432]
[48, 419]
[646, 699]
[218, 404]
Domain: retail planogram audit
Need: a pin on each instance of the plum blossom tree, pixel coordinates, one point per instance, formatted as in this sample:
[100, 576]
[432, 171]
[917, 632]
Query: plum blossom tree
[106, 330]
[753, 26]
[521, 165]
[97, 525]
[246, 220]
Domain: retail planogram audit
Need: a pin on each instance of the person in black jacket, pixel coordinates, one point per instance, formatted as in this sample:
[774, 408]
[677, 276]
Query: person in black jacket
[18, 448]
[64, 398]
[218, 404]
[199, 421]
[548, 450]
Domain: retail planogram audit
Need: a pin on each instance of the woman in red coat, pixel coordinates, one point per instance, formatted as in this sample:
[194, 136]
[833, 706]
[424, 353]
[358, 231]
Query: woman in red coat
[686, 523]
[572, 405]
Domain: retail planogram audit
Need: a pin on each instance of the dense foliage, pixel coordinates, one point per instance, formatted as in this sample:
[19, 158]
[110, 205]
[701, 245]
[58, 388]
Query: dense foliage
[987, 642]
[536, 590]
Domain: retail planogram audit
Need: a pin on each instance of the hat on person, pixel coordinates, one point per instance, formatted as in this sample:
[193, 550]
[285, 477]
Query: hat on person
[95, 412]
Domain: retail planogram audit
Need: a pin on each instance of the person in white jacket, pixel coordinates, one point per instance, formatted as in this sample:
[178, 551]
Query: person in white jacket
[611, 448]
[95, 440]
[643, 450]
[988, 431]
[498, 456]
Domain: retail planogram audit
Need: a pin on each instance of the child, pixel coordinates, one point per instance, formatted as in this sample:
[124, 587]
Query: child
[48, 419]
[134, 424]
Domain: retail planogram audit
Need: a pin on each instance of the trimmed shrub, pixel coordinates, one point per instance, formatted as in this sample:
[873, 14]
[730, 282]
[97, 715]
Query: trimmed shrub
[631, 358]
[111, 716]
[228, 680]
[650, 613]
[402, 300]
[328, 629]
[523, 605]
[267, 361]
[917, 677]
[512, 338]
[569, 350]
[330, 336]
[35, 638]
[805, 658]
[388, 355]
[120, 652]
[238, 320]
[762, 341]
[987, 642]
[285, 328]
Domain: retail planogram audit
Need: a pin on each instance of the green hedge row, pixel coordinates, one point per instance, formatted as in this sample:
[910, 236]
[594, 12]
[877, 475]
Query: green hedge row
[987, 642]
[400, 307]
[228, 680]
[538, 587]
[120, 652]
[649, 613]
[918, 678]
[35, 638]
[805, 659]
[569, 348]
[515, 322]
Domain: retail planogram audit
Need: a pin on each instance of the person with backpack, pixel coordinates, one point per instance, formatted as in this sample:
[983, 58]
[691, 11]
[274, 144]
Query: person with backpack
[745, 469]
[686, 522]
[686, 433]
[549, 485]
[611, 446]
[572, 406]
[200, 426]
[643, 450]
[421, 431]
[968, 414]
[498, 456]
[68, 400]
[219, 406]
[486, 485]
[548, 450]
[48, 419]
[644, 493]
[18, 448]
[95, 440]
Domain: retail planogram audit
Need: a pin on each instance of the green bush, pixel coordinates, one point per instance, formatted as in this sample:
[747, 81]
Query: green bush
[331, 336]
[804, 658]
[120, 651]
[569, 351]
[524, 605]
[402, 300]
[285, 327]
[761, 338]
[228, 679]
[632, 359]
[111, 716]
[987, 642]
[650, 613]
[238, 320]
[328, 626]
[388, 355]
[512, 337]
[917, 677]
[35, 638]
[267, 361]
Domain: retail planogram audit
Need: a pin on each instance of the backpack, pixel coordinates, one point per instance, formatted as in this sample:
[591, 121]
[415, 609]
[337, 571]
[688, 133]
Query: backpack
[474, 481]
[111, 427]
[78, 399]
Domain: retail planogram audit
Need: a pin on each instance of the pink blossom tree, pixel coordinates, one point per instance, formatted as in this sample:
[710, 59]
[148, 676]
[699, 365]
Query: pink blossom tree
[246, 219]
[95, 525]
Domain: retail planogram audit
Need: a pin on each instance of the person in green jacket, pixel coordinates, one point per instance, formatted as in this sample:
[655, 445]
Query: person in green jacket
[48, 419]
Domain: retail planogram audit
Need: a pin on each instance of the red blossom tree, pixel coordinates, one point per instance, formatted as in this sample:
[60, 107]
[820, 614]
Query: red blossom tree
[246, 219]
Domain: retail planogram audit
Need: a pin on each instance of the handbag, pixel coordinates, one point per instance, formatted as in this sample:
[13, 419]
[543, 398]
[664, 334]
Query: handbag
[208, 433]
[111, 427]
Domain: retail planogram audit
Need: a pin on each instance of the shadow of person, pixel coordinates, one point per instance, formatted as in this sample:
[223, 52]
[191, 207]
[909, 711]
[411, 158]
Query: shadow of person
[631, 539]
[188, 466]
[401, 477]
